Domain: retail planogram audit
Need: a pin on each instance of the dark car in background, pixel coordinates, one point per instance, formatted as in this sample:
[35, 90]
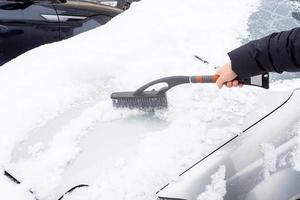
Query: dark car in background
[26, 24]
[122, 4]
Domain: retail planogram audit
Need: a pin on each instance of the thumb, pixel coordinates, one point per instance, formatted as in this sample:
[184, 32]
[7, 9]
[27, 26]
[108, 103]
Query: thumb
[220, 82]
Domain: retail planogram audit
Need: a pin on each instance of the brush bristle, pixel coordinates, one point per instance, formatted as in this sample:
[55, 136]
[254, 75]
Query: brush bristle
[147, 101]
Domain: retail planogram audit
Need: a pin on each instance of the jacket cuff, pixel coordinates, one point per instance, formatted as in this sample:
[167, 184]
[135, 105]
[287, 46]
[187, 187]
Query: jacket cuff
[243, 61]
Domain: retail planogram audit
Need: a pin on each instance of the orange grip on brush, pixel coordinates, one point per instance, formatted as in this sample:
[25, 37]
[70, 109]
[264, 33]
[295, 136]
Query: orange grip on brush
[204, 79]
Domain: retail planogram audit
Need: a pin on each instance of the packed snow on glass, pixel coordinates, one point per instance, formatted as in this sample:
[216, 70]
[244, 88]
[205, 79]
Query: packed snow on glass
[57, 103]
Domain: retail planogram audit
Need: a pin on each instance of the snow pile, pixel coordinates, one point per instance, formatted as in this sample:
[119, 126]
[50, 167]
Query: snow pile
[269, 159]
[144, 43]
[217, 189]
[159, 40]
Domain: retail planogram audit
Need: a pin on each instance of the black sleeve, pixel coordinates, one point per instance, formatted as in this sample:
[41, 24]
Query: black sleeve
[277, 52]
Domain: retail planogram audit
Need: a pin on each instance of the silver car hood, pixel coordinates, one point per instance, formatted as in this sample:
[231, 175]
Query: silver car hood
[243, 159]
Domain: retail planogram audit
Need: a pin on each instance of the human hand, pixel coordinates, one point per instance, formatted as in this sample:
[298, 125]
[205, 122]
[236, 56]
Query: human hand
[227, 76]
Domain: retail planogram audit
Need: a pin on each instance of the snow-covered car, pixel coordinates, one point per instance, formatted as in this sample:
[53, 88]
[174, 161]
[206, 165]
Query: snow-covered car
[60, 132]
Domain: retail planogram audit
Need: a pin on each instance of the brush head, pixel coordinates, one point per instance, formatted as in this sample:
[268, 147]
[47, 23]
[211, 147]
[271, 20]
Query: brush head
[148, 100]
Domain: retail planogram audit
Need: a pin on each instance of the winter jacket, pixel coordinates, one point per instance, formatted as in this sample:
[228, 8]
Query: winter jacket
[277, 52]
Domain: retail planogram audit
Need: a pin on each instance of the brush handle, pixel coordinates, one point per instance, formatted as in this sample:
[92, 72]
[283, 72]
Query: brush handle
[204, 79]
[172, 81]
[261, 80]
[213, 79]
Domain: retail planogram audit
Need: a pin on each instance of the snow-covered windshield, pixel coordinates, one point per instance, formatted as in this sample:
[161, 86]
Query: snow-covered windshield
[58, 127]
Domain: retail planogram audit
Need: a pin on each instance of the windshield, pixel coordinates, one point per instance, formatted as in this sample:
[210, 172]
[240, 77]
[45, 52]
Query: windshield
[273, 16]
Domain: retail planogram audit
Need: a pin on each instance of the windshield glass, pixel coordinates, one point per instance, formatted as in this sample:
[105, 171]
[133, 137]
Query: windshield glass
[273, 16]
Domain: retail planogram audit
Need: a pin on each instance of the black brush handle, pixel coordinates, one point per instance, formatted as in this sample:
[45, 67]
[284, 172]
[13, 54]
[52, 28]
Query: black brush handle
[172, 81]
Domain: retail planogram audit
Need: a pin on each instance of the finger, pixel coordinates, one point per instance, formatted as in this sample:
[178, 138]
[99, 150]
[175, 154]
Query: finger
[220, 82]
[235, 83]
[241, 85]
[229, 84]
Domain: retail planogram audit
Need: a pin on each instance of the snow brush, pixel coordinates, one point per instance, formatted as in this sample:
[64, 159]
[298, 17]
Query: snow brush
[157, 99]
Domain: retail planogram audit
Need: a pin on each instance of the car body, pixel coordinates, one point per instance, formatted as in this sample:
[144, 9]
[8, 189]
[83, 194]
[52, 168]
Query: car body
[25, 25]
[121, 4]
[246, 162]
[241, 155]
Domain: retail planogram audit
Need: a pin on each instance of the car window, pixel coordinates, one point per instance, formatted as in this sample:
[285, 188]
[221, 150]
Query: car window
[94, 22]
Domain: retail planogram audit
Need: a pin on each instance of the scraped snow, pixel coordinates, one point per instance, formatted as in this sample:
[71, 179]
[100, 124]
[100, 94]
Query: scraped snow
[296, 156]
[142, 44]
[216, 190]
[269, 159]
[63, 149]
[296, 153]
[10, 190]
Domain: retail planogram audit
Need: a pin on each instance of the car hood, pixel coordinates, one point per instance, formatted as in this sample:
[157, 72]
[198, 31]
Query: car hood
[242, 165]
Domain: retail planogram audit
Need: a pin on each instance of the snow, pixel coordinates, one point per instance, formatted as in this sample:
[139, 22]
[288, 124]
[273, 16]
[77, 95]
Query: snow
[94, 64]
[217, 189]
[11, 191]
[63, 90]
[296, 156]
[285, 85]
[49, 162]
[295, 161]
[269, 159]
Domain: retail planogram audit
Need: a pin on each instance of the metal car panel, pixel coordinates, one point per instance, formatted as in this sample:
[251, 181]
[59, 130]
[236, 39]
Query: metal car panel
[243, 160]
